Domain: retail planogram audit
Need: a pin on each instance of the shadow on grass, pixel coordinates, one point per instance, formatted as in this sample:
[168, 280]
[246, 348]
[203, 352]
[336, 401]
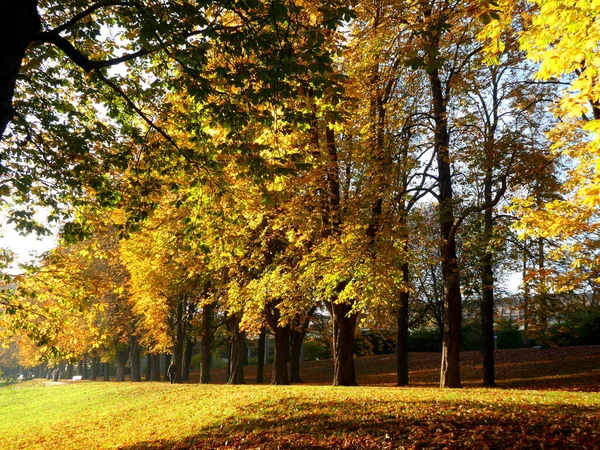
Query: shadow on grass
[293, 424]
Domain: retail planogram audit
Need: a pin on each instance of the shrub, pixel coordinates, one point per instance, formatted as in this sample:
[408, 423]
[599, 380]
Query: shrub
[383, 342]
[508, 334]
[313, 350]
[471, 336]
[581, 327]
[425, 339]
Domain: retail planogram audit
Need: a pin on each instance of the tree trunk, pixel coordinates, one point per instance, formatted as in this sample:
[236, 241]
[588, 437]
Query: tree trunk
[148, 367]
[155, 367]
[95, 368]
[344, 324]
[69, 374]
[296, 339]
[236, 373]
[402, 344]
[121, 362]
[207, 338]
[134, 356]
[260, 367]
[280, 366]
[187, 358]
[179, 339]
[450, 368]
[86, 373]
[487, 285]
[106, 371]
[166, 367]
[19, 22]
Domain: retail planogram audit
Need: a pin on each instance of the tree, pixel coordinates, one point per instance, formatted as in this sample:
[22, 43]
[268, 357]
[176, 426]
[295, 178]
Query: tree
[561, 36]
[55, 74]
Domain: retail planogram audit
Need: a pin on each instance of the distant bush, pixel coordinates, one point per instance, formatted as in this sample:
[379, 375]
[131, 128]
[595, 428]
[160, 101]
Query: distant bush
[369, 342]
[313, 350]
[471, 336]
[425, 339]
[508, 334]
[383, 342]
[580, 327]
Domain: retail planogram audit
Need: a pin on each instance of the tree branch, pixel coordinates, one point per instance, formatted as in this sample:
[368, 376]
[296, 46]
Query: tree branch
[79, 58]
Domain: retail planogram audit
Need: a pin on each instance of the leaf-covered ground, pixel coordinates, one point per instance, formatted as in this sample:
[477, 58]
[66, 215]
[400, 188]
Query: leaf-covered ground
[88, 415]
[563, 368]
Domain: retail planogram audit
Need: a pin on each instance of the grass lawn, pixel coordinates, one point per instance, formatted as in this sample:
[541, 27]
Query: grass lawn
[89, 415]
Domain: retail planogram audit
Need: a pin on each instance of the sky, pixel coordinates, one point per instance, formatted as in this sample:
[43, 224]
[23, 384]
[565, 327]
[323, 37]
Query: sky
[26, 248]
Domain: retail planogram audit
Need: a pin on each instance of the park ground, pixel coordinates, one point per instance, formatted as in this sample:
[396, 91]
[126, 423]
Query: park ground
[547, 398]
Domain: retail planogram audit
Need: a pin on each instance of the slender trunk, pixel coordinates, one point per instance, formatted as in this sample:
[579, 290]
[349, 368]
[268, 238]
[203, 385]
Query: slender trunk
[19, 22]
[260, 368]
[344, 323]
[402, 318]
[179, 338]
[134, 357]
[187, 358]
[166, 366]
[402, 344]
[148, 367]
[450, 368]
[236, 373]
[85, 374]
[280, 366]
[69, 374]
[94, 368]
[487, 284]
[206, 342]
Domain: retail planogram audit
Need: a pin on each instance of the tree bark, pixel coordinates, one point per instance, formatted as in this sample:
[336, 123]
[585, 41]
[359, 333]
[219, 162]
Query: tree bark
[450, 367]
[166, 367]
[487, 284]
[179, 338]
[260, 367]
[94, 369]
[187, 358]
[155, 367]
[148, 367]
[206, 343]
[280, 365]
[69, 373]
[344, 325]
[106, 371]
[134, 357]
[19, 22]
[121, 361]
[236, 372]
[296, 339]
[402, 336]
[282, 340]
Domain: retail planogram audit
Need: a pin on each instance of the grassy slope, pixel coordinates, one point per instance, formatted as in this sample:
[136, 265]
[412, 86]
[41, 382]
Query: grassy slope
[87, 415]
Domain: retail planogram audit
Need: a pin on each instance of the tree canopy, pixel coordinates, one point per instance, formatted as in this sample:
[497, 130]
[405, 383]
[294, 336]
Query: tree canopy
[232, 168]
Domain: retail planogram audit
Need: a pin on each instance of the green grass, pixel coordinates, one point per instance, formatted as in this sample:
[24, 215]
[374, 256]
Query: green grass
[89, 415]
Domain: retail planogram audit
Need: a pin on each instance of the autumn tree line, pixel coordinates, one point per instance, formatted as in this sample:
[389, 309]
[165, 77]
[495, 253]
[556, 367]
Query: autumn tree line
[243, 165]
